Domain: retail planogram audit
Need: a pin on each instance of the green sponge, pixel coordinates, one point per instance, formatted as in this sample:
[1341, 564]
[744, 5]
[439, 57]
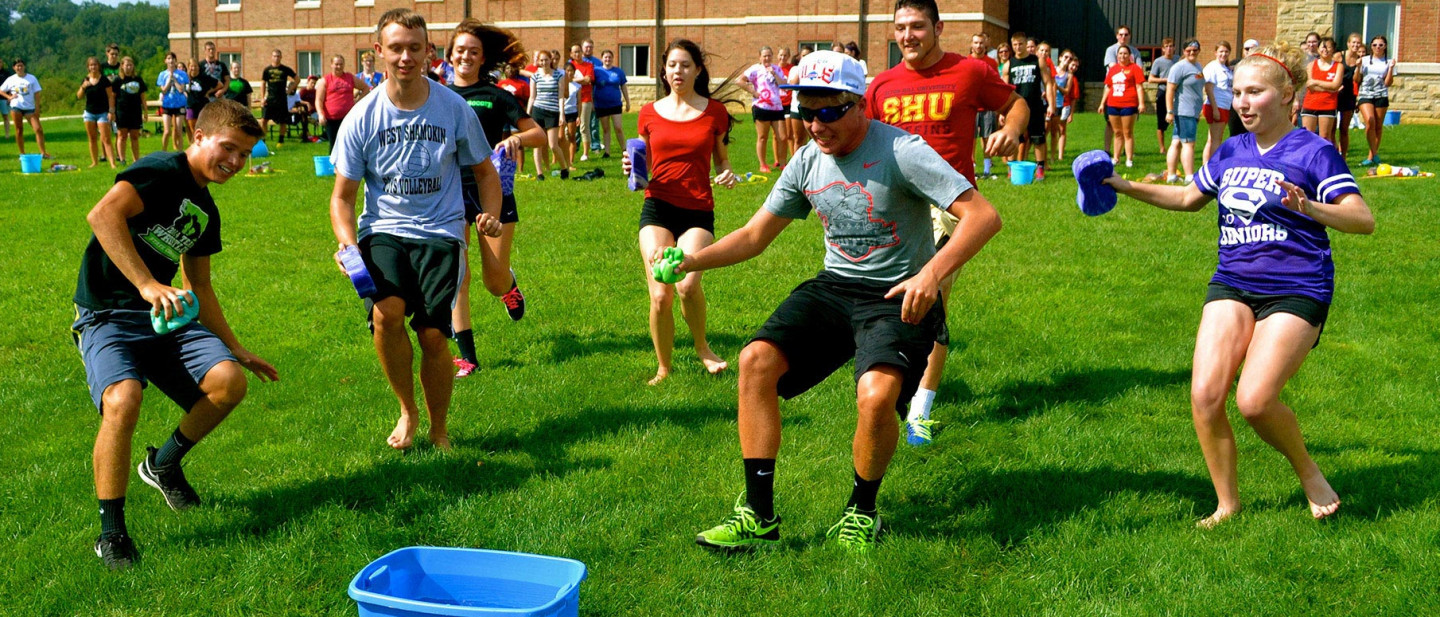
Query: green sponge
[665, 268]
[191, 306]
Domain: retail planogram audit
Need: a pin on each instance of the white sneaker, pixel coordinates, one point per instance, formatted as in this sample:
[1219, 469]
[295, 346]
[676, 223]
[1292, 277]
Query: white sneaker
[1129, 163]
[1189, 178]
[585, 157]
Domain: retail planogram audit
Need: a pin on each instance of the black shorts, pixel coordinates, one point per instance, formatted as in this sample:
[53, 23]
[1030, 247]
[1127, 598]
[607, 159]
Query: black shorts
[572, 118]
[1318, 113]
[129, 121]
[606, 112]
[1347, 101]
[830, 319]
[508, 211]
[1311, 310]
[1160, 110]
[276, 111]
[423, 273]
[766, 115]
[1379, 103]
[173, 111]
[1035, 130]
[677, 220]
[546, 118]
[793, 115]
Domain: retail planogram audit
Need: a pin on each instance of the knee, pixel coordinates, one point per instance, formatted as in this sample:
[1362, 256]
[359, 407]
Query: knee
[120, 406]
[688, 287]
[388, 314]
[497, 282]
[432, 342]
[1207, 401]
[1254, 402]
[662, 297]
[226, 385]
[762, 360]
[876, 403]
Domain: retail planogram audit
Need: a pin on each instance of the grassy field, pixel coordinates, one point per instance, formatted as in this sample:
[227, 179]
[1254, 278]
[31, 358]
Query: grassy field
[1066, 480]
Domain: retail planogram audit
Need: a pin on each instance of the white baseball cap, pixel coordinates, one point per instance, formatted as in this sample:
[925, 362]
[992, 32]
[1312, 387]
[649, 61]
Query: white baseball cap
[1251, 43]
[825, 72]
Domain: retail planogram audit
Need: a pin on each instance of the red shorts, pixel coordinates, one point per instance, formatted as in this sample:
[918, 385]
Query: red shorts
[1215, 116]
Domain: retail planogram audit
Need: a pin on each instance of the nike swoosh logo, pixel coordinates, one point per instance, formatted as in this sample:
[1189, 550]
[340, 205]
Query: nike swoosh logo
[871, 164]
[902, 356]
[761, 473]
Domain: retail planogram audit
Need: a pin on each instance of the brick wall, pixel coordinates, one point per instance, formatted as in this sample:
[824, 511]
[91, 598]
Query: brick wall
[1215, 24]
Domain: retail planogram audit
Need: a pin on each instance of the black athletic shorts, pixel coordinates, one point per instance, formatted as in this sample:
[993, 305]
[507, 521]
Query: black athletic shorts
[508, 211]
[1311, 310]
[276, 111]
[1379, 103]
[677, 220]
[1160, 110]
[1035, 130]
[572, 118]
[129, 121]
[606, 112]
[423, 273]
[546, 118]
[830, 319]
[766, 115]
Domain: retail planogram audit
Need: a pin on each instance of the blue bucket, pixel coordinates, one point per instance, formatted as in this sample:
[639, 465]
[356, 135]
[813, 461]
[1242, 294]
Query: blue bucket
[260, 149]
[1392, 117]
[426, 580]
[323, 167]
[1022, 172]
[31, 163]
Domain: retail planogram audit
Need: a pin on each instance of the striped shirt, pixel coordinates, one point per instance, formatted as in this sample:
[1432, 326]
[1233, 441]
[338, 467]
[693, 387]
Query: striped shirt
[547, 90]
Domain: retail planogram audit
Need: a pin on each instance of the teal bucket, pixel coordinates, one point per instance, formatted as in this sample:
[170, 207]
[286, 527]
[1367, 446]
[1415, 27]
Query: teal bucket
[31, 163]
[323, 167]
[1392, 117]
[1022, 172]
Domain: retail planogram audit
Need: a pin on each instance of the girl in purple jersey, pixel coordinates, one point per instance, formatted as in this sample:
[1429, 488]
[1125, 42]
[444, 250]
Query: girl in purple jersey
[1279, 188]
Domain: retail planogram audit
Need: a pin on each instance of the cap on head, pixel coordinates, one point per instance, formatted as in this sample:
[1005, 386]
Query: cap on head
[1251, 43]
[827, 72]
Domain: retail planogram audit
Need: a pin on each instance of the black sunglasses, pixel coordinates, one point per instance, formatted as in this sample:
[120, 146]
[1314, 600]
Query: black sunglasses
[825, 114]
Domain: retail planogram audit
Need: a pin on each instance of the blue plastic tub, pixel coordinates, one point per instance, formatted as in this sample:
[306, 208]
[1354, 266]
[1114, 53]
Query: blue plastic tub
[31, 163]
[323, 167]
[260, 149]
[1392, 117]
[464, 582]
[1022, 172]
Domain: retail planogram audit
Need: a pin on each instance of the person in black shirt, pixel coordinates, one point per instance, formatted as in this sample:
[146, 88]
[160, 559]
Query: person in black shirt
[280, 82]
[217, 71]
[99, 112]
[1034, 83]
[238, 89]
[158, 219]
[129, 99]
[5, 103]
[111, 67]
[477, 52]
[197, 95]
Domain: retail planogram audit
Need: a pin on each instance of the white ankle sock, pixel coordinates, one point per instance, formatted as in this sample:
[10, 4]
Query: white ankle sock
[920, 405]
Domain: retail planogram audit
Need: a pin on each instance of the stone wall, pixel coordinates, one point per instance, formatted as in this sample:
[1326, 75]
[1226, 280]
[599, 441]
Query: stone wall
[1296, 18]
[1416, 97]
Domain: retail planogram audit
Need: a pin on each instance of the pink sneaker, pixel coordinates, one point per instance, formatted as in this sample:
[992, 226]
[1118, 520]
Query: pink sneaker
[466, 368]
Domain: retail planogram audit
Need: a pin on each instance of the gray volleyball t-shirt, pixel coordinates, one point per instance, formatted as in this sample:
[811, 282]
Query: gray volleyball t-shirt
[873, 202]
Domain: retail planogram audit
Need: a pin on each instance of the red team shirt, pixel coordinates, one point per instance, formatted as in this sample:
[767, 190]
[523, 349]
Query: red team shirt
[680, 155]
[1323, 101]
[939, 104]
[587, 91]
[1124, 84]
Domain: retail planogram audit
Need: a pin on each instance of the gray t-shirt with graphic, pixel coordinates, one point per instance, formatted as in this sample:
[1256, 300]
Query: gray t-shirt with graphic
[410, 162]
[1160, 68]
[1190, 94]
[875, 209]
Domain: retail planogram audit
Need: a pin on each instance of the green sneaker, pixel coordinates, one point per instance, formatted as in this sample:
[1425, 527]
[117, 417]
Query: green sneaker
[742, 530]
[856, 530]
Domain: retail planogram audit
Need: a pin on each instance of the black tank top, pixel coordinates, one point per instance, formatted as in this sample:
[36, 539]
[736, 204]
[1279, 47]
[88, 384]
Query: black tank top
[1025, 76]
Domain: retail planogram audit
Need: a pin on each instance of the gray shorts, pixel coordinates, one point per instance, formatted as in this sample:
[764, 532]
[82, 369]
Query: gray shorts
[116, 345]
[985, 124]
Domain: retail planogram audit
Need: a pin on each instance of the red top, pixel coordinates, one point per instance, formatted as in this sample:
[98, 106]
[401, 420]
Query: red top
[587, 91]
[339, 95]
[994, 64]
[680, 155]
[518, 87]
[786, 94]
[1124, 84]
[939, 104]
[1051, 63]
[1323, 101]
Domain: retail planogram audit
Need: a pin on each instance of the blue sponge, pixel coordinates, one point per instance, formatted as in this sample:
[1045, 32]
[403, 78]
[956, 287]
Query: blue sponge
[1094, 197]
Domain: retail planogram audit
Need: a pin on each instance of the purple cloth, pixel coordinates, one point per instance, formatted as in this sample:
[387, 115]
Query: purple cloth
[1094, 197]
[639, 166]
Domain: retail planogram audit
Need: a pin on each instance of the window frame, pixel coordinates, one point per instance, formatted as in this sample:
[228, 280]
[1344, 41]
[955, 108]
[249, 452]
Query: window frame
[300, 67]
[1392, 36]
[632, 48]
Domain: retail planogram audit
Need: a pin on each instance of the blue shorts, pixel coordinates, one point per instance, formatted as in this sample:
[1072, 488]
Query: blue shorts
[1185, 128]
[1121, 111]
[89, 117]
[116, 345]
[5, 106]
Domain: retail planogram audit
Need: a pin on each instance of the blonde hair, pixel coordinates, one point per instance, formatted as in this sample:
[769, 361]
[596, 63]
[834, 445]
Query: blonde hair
[1281, 63]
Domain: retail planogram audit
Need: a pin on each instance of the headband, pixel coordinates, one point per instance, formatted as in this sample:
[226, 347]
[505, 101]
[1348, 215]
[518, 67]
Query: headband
[1272, 59]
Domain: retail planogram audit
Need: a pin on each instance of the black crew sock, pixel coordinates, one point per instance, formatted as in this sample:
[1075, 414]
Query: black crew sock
[760, 486]
[465, 340]
[174, 449]
[863, 495]
[112, 517]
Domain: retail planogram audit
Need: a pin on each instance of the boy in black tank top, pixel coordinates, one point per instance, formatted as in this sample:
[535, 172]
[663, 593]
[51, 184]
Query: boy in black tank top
[1033, 83]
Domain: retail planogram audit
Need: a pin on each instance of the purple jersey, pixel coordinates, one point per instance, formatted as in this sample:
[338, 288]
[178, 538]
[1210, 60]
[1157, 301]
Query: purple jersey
[1266, 248]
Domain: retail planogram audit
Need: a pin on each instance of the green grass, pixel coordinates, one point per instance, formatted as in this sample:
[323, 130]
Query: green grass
[1066, 481]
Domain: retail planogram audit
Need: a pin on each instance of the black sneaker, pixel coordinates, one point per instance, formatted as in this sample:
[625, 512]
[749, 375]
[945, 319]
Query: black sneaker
[170, 481]
[118, 552]
[514, 300]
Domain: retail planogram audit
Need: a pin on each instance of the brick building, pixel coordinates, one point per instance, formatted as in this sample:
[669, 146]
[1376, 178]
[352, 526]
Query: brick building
[309, 31]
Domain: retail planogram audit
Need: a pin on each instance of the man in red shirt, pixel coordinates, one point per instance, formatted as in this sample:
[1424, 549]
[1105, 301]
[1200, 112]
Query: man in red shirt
[584, 74]
[936, 95]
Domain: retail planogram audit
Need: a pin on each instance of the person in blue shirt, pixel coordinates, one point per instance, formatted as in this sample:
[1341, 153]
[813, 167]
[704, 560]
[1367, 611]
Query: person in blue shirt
[612, 98]
[172, 83]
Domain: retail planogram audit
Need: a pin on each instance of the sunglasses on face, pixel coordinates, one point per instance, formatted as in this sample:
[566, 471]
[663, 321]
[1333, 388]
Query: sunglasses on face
[824, 114]
[1378, 45]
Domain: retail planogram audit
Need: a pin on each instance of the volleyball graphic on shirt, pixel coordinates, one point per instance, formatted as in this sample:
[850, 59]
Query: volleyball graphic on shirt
[417, 161]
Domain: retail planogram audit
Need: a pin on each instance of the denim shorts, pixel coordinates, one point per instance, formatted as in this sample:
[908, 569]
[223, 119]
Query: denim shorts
[89, 117]
[1185, 129]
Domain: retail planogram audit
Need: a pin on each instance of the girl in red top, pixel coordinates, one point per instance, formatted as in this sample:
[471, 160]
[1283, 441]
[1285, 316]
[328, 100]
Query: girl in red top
[1121, 101]
[335, 95]
[683, 132]
[1322, 95]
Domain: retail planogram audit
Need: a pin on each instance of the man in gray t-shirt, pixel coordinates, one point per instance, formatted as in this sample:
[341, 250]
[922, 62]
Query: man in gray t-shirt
[1186, 95]
[1159, 69]
[876, 301]
[407, 141]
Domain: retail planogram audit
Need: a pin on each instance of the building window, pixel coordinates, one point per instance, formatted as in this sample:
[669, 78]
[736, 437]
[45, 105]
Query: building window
[227, 58]
[225, 6]
[895, 56]
[310, 63]
[635, 60]
[1370, 19]
[814, 46]
[307, 4]
[225, 2]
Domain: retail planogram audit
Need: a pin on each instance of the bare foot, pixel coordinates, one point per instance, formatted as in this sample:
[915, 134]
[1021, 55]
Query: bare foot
[94, 163]
[1221, 515]
[441, 441]
[713, 364]
[1323, 499]
[660, 376]
[404, 434]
